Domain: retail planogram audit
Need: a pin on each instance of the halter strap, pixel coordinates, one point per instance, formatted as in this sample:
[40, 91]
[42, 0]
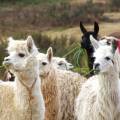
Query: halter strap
[29, 89]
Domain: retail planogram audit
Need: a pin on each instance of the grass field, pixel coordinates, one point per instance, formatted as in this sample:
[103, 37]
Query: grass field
[105, 29]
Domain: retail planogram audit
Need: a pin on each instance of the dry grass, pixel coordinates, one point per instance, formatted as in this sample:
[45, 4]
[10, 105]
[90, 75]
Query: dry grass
[83, 1]
[113, 15]
[105, 29]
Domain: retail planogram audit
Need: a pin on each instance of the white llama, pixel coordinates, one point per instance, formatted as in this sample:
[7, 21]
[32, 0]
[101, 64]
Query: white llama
[60, 88]
[22, 99]
[99, 98]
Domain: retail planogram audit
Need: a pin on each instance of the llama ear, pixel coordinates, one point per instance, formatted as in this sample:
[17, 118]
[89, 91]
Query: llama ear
[82, 28]
[94, 42]
[96, 28]
[49, 54]
[30, 43]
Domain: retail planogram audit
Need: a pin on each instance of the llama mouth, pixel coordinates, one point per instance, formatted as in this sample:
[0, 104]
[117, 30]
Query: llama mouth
[6, 64]
[96, 71]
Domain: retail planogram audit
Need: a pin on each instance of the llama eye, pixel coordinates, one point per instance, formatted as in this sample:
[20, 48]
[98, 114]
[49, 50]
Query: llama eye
[21, 55]
[108, 42]
[60, 64]
[107, 58]
[44, 63]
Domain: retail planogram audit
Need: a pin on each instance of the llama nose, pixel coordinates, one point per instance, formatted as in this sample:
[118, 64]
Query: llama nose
[6, 59]
[96, 66]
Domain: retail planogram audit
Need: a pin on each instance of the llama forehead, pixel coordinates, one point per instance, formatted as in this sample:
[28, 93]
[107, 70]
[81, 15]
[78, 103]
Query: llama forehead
[58, 59]
[103, 51]
[42, 58]
[18, 46]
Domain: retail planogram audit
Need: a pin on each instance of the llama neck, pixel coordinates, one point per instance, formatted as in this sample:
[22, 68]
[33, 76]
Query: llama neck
[22, 94]
[108, 87]
[49, 83]
[51, 93]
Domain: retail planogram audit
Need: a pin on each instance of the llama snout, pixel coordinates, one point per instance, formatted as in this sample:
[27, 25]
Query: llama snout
[6, 61]
[96, 67]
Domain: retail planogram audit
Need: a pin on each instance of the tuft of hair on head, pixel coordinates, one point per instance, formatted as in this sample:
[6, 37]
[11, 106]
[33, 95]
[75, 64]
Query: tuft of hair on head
[10, 40]
[82, 28]
[49, 54]
[94, 42]
[96, 28]
[30, 43]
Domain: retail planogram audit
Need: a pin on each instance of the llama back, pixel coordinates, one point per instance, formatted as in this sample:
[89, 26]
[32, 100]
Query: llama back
[69, 85]
[87, 98]
[7, 106]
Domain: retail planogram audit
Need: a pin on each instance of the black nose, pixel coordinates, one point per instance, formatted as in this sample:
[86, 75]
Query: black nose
[6, 59]
[96, 66]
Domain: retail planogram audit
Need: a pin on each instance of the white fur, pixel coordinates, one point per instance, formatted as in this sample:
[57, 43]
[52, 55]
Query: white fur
[99, 98]
[15, 101]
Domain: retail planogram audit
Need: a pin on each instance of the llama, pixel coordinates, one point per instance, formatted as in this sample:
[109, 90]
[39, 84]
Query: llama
[99, 95]
[86, 44]
[60, 88]
[49, 86]
[20, 99]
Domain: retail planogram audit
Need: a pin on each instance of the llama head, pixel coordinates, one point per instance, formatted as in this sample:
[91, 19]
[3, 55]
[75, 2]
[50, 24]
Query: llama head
[85, 43]
[21, 54]
[103, 56]
[45, 62]
[61, 63]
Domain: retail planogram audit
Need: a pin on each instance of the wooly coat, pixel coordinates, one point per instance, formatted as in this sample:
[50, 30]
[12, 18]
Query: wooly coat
[99, 98]
[60, 88]
[20, 100]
